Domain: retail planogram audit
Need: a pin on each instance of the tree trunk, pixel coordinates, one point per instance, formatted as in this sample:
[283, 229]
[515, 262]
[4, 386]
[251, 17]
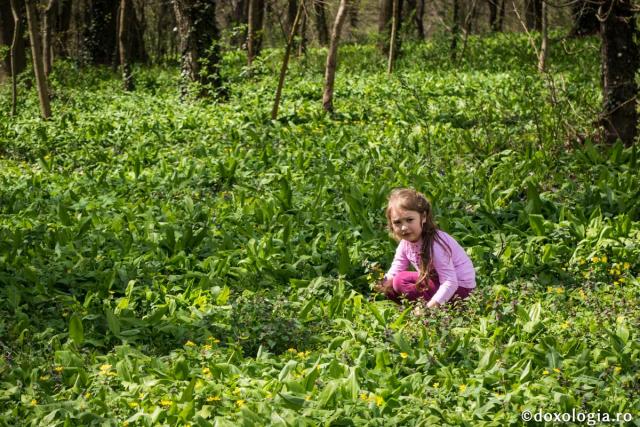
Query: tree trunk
[285, 61]
[302, 47]
[251, 32]
[135, 20]
[8, 38]
[455, 29]
[419, 19]
[493, 14]
[619, 66]
[384, 25]
[47, 50]
[394, 35]
[533, 14]
[292, 9]
[501, 15]
[124, 43]
[585, 18]
[542, 60]
[36, 53]
[332, 57]
[354, 15]
[321, 22]
[199, 48]
[17, 36]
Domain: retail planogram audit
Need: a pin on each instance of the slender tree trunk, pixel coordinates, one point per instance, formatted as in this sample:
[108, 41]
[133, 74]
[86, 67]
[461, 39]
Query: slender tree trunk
[250, 32]
[542, 60]
[302, 47]
[123, 44]
[467, 27]
[36, 51]
[620, 64]
[285, 61]
[501, 16]
[321, 22]
[419, 19]
[455, 29]
[199, 48]
[332, 57]
[17, 32]
[493, 15]
[7, 36]
[384, 23]
[47, 50]
[394, 34]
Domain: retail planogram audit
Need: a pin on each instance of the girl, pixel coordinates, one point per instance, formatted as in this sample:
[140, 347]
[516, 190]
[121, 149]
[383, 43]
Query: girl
[443, 269]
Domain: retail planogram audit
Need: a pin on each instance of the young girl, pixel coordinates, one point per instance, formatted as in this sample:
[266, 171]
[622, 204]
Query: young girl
[443, 269]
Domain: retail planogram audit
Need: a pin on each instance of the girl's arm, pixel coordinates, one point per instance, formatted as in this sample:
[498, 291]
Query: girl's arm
[443, 264]
[400, 261]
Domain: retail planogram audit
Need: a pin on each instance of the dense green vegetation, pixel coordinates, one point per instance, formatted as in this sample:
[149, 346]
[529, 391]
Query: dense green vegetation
[172, 263]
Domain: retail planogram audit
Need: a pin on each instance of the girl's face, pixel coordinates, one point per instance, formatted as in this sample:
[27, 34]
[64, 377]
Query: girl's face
[406, 224]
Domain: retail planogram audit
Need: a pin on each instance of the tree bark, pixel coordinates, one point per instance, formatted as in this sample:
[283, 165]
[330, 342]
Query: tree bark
[332, 57]
[17, 31]
[493, 15]
[7, 38]
[455, 29]
[620, 64]
[419, 19]
[542, 60]
[394, 35]
[36, 52]
[285, 61]
[47, 51]
[199, 48]
[124, 43]
[250, 32]
[302, 47]
[585, 18]
[321, 22]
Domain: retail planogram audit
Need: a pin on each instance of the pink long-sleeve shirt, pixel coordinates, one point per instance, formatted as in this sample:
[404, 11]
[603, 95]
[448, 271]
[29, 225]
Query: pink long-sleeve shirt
[454, 269]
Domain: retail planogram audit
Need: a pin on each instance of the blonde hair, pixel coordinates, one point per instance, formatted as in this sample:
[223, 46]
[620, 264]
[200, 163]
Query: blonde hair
[412, 200]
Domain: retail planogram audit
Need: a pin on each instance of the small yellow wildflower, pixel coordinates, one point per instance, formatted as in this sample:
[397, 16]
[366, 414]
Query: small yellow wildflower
[617, 369]
[621, 280]
[462, 388]
[565, 325]
[581, 261]
[292, 350]
[105, 369]
[560, 290]
[616, 283]
[125, 424]
[269, 395]
[240, 403]
[166, 403]
[604, 259]
[545, 372]
[379, 401]
[436, 385]
[44, 377]
[549, 289]
[595, 259]
[626, 266]
[206, 371]
[141, 396]
[213, 399]
[307, 397]
[404, 355]
[87, 395]
[34, 402]
[556, 370]
[363, 396]
[190, 344]
[58, 369]
[206, 347]
[133, 404]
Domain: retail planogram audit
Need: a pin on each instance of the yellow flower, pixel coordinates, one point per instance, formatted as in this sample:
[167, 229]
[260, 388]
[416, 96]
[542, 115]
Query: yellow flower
[436, 385]
[556, 370]
[616, 283]
[363, 396]
[34, 402]
[87, 395]
[560, 290]
[617, 369]
[621, 280]
[379, 401]
[213, 399]
[58, 369]
[166, 403]
[462, 388]
[206, 371]
[104, 369]
[45, 377]
[549, 289]
[307, 397]
[125, 424]
[595, 259]
[626, 266]
[190, 344]
[581, 261]
[236, 390]
[240, 403]
[133, 404]
[565, 325]
[292, 350]
[206, 347]
[545, 372]
[604, 259]
[404, 355]
[269, 395]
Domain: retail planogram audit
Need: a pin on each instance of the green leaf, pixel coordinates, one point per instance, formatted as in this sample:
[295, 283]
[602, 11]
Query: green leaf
[76, 330]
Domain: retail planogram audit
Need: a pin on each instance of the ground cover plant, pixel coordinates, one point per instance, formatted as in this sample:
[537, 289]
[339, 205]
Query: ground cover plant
[169, 262]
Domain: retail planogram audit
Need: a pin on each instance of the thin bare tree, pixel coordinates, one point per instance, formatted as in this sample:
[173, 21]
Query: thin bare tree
[47, 50]
[394, 35]
[332, 57]
[17, 32]
[285, 61]
[542, 58]
[123, 44]
[36, 53]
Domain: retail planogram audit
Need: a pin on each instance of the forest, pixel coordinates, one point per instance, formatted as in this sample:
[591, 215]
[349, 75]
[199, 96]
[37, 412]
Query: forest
[193, 211]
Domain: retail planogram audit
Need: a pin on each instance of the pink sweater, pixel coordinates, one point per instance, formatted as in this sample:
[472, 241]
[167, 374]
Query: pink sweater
[453, 269]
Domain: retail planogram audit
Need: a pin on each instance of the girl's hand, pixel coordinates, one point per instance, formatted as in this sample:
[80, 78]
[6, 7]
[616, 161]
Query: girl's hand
[384, 287]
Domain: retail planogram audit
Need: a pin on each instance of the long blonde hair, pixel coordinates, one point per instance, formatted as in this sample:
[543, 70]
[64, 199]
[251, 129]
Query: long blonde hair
[412, 200]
